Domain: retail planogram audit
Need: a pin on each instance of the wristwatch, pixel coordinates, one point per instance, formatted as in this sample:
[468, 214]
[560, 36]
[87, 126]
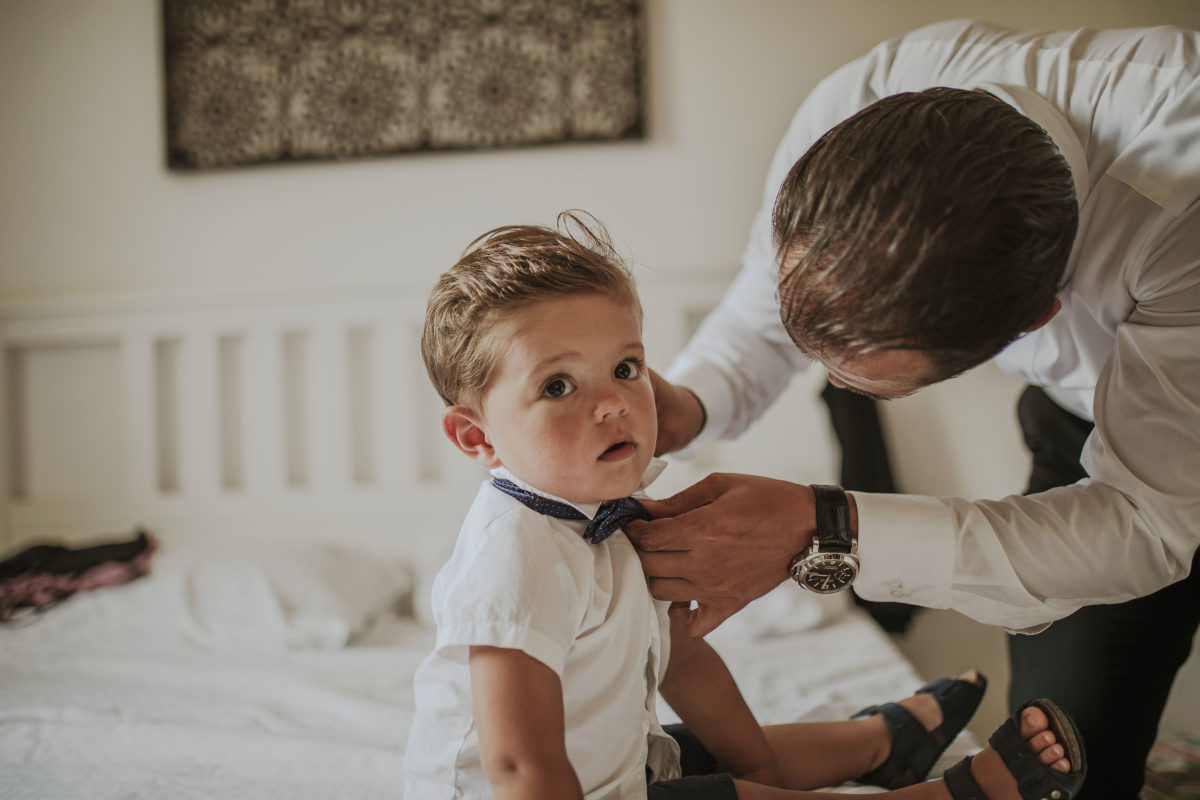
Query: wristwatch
[830, 563]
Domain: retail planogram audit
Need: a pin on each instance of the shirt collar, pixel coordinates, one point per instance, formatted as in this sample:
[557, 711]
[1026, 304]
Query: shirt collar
[653, 470]
[1040, 110]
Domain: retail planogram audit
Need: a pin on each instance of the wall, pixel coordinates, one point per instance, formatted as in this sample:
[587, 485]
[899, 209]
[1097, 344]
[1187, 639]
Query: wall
[87, 206]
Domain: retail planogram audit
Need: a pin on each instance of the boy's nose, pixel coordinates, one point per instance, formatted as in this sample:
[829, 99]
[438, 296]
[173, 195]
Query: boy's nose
[610, 402]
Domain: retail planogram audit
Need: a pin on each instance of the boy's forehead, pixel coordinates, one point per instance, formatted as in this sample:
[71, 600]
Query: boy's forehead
[565, 324]
[567, 305]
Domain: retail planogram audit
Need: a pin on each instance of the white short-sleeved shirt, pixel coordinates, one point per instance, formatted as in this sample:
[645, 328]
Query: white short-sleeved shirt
[1124, 350]
[522, 580]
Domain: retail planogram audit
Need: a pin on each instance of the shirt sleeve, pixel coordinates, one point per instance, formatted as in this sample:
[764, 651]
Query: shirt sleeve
[741, 358]
[1017, 562]
[1128, 530]
[518, 589]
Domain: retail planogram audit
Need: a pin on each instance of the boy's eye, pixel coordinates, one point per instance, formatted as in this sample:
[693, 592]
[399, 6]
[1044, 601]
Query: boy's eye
[628, 369]
[558, 387]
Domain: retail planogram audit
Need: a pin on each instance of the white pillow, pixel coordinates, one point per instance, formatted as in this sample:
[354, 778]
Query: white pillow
[293, 595]
[234, 594]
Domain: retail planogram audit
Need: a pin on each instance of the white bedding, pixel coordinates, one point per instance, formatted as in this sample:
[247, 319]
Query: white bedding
[278, 672]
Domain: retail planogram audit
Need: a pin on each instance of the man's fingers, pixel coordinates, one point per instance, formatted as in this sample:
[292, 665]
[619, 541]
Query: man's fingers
[664, 563]
[682, 614]
[695, 496]
[658, 534]
[699, 621]
[657, 508]
[677, 590]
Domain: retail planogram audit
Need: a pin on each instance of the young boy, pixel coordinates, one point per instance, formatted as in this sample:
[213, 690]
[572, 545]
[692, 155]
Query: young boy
[550, 650]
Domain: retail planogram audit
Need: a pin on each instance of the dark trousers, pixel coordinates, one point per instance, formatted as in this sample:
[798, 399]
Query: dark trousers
[1111, 667]
[701, 780]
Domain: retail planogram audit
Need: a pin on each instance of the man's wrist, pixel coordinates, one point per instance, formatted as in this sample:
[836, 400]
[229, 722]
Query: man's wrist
[703, 413]
[802, 536]
[829, 562]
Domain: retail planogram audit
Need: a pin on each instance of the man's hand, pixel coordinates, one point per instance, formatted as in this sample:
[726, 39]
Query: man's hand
[723, 542]
[680, 415]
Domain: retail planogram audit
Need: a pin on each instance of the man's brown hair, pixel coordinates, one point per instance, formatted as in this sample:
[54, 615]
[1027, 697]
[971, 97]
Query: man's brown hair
[938, 221]
[501, 272]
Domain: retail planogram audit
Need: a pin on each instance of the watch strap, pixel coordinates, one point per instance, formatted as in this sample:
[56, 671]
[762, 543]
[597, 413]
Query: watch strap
[833, 519]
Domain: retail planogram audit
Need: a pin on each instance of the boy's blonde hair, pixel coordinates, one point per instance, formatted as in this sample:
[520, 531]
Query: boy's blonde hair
[500, 273]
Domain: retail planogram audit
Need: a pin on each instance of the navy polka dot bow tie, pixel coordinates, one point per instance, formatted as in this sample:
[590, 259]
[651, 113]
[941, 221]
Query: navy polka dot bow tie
[611, 516]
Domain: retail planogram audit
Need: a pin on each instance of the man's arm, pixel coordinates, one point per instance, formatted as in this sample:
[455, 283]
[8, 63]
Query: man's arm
[522, 735]
[741, 357]
[700, 689]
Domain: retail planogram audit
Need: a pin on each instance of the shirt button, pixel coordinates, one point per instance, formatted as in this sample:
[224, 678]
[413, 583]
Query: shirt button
[898, 590]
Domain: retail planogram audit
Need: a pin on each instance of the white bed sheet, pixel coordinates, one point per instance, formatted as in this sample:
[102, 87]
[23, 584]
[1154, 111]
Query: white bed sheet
[147, 714]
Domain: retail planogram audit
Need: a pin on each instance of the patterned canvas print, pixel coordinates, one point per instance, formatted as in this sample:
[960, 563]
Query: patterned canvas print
[252, 81]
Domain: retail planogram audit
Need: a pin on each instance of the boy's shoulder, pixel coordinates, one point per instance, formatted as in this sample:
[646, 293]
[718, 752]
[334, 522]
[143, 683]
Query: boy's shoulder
[507, 557]
[493, 513]
[502, 529]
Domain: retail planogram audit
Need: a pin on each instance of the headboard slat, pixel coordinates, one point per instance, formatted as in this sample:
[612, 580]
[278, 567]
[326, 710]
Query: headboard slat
[137, 384]
[306, 414]
[262, 382]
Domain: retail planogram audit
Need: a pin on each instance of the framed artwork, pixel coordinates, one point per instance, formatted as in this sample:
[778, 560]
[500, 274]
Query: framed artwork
[253, 81]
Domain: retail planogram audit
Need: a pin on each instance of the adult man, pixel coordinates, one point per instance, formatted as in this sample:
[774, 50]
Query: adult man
[1041, 210]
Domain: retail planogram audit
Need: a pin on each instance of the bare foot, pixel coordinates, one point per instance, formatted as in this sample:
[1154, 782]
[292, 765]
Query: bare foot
[993, 776]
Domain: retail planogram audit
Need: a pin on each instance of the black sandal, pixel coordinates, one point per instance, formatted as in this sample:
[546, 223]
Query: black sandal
[1035, 780]
[914, 749]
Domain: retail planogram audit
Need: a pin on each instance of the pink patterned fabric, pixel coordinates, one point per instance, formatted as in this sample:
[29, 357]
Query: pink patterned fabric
[44, 575]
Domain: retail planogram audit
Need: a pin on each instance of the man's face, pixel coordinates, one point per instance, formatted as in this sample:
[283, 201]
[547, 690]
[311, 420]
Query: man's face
[883, 375]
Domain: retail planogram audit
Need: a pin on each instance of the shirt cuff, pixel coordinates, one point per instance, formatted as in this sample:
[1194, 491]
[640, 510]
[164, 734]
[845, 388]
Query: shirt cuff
[906, 549]
[513, 637]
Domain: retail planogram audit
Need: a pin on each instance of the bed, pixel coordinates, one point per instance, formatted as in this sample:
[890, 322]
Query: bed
[283, 449]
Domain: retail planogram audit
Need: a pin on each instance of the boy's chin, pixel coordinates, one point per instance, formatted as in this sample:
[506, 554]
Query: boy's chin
[611, 490]
[628, 487]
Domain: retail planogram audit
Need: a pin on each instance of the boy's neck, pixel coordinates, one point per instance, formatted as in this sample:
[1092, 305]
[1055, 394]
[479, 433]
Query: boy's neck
[653, 470]
[503, 472]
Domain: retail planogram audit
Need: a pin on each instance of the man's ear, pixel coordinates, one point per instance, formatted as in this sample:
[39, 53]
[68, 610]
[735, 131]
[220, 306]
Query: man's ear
[1045, 317]
[466, 432]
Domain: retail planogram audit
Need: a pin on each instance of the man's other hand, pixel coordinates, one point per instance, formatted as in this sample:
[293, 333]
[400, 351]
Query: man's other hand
[680, 415]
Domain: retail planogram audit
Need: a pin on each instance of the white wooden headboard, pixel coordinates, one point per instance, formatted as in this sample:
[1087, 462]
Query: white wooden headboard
[290, 414]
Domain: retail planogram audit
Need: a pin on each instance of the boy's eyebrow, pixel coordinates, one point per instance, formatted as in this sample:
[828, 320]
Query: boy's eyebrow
[546, 363]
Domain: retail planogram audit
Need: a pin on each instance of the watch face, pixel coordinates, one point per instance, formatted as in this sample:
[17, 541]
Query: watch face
[826, 573]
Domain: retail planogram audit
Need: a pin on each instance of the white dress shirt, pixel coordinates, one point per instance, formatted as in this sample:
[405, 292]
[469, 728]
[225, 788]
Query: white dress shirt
[1124, 108]
[526, 581]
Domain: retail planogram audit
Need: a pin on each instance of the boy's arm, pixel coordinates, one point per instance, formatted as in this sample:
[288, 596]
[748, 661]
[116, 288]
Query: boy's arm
[518, 706]
[700, 689]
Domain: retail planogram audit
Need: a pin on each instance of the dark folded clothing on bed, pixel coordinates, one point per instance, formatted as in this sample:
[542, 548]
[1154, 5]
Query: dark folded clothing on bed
[45, 574]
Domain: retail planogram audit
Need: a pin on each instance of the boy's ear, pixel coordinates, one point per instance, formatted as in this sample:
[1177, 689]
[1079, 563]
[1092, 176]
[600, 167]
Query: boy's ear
[465, 431]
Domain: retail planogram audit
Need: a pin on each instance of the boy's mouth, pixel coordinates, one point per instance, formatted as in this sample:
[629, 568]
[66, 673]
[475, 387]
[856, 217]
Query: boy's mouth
[618, 451]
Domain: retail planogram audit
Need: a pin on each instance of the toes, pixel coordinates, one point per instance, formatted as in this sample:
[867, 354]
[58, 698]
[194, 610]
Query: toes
[1033, 722]
[1051, 754]
[1042, 741]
